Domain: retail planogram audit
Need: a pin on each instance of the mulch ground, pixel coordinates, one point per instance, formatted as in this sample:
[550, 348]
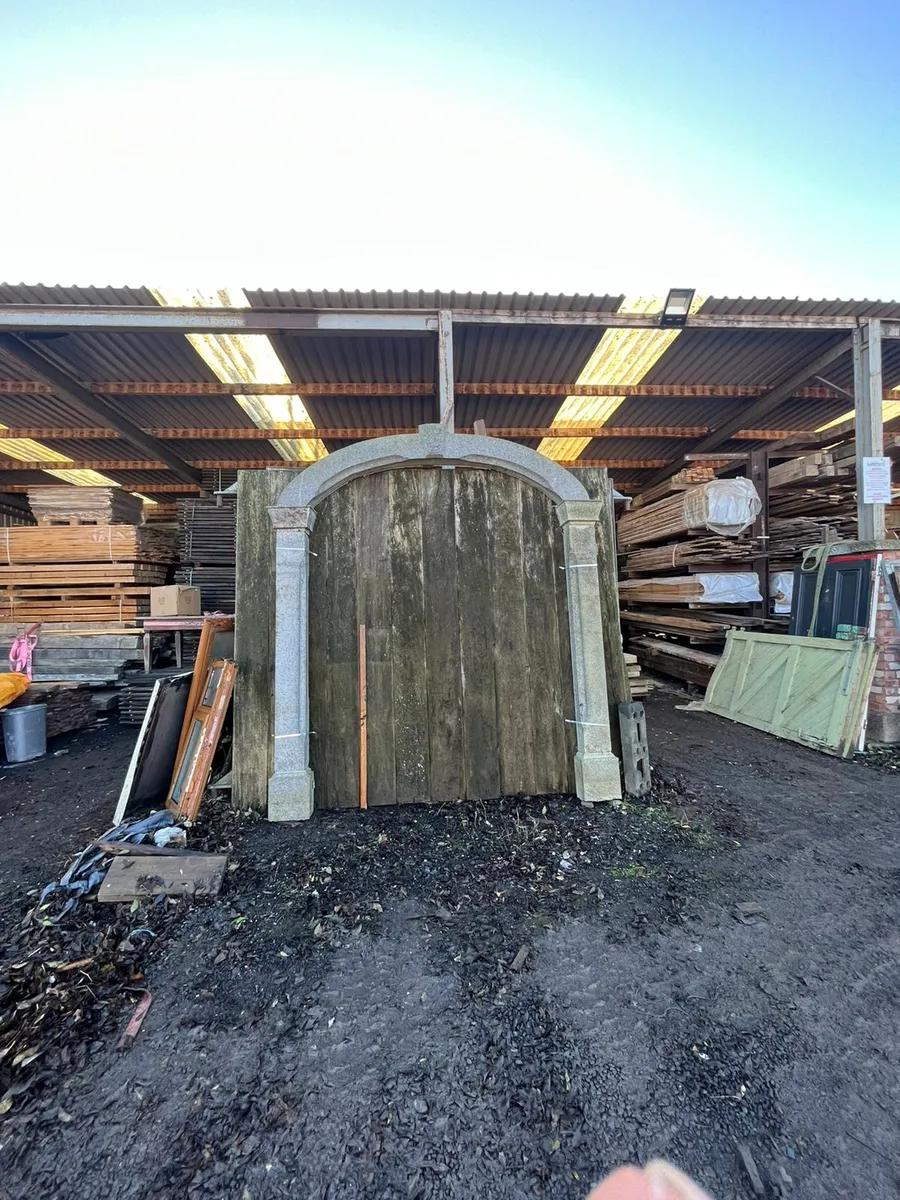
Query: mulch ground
[499, 999]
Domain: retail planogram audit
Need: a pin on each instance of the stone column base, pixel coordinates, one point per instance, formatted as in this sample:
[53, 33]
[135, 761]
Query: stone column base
[291, 795]
[597, 777]
[883, 728]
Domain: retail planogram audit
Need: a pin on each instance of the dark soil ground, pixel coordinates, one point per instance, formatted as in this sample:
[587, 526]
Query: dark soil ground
[497, 1000]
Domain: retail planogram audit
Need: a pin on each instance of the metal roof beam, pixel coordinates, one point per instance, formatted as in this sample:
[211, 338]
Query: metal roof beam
[35, 387]
[161, 319]
[152, 319]
[353, 434]
[244, 464]
[64, 385]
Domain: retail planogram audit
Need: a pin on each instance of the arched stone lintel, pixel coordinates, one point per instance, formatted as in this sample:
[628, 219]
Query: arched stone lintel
[435, 446]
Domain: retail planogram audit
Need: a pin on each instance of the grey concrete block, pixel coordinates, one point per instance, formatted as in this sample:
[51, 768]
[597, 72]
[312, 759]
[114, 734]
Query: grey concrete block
[635, 752]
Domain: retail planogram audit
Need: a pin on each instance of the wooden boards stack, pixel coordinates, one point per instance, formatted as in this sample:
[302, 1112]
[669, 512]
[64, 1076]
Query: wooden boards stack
[86, 544]
[69, 706]
[206, 550]
[85, 506]
[694, 552]
[681, 662]
[637, 682]
[81, 572]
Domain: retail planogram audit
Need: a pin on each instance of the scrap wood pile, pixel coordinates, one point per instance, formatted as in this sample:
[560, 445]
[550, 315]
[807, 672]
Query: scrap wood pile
[686, 557]
[72, 967]
[207, 538]
[81, 572]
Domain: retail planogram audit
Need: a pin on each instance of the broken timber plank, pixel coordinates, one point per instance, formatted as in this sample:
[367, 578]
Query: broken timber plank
[193, 875]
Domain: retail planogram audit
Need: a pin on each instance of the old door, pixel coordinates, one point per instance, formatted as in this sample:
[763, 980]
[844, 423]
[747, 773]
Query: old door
[456, 574]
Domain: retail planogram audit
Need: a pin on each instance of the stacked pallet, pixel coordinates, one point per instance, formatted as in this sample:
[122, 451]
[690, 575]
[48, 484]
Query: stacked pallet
[207, 537]
[81, 572]
[85, 506]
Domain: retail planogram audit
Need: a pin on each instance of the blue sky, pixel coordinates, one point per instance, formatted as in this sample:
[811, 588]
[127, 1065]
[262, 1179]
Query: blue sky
[567, 146]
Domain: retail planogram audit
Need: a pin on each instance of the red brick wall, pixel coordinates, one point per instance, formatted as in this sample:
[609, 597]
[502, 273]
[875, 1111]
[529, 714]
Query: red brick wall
[885, 695]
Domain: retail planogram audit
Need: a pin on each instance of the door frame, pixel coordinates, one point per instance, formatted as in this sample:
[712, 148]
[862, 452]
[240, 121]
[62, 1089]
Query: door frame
[291, 785]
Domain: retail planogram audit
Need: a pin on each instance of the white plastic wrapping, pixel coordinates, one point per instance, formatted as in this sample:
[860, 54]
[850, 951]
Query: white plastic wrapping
[781, 590]
[726, 506]
[742, 587]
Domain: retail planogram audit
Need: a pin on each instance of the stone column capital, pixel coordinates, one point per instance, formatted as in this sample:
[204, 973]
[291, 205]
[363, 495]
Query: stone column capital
[292, 518]
[578, 512]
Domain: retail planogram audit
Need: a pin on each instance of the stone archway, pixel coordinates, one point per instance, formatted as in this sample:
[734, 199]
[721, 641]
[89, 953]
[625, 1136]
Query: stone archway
[291, 785]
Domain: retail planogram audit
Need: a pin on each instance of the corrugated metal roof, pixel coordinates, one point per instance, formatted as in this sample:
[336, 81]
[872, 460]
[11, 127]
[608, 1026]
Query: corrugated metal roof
[483, 353]
[491, 301]
[736, 356]
[785, 307]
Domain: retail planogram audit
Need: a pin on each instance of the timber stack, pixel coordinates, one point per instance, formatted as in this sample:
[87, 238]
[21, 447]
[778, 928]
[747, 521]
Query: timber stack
[207, 550]
[85, 506]
[686, 560]
[81, 572]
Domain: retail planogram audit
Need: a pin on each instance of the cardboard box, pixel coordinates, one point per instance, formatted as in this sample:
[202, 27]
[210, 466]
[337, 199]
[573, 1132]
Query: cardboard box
[178, 600]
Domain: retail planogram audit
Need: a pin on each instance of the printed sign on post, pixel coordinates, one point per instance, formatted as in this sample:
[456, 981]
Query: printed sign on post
[876, 481]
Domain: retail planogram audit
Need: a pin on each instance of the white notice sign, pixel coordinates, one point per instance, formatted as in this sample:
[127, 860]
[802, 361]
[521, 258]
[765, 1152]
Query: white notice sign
[876, 481]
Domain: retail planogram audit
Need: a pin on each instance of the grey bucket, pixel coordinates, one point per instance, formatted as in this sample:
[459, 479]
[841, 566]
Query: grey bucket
[25, 732]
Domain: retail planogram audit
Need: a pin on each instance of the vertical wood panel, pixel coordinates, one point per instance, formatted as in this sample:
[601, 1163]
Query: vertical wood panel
[338, 739]
[562, 620]
[320, 610]
[374, 611]
[482, 759]
[409, 662]
[512, 669]
[445, 729]
[543, 643]
[254, 629]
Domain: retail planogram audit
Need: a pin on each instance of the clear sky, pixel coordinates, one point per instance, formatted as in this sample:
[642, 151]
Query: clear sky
[535, 145]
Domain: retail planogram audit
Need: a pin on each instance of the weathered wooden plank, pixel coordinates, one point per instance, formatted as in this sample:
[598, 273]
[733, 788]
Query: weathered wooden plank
[190, 875]
[373, 573]
[618, 689]
[543, 644]
[445, 728]
[341, 741]
[512, 669]
[408, 639]
[565, 653]
[482, 759]
[320, 614]
[254, 634]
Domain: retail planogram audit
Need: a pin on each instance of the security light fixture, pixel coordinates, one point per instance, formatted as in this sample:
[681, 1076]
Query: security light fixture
[676, 308]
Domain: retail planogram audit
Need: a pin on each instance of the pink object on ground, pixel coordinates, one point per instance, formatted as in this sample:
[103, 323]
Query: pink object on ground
[22, 649]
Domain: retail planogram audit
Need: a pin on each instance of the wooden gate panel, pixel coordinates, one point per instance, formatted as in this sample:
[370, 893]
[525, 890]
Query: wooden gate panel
[545, 644]
[476, 628]
[444, 684]
[411, 757]
[511, 665]
[374, 610]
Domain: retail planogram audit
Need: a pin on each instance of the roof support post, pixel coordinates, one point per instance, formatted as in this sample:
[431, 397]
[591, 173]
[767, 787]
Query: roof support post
[869, 425]
[445, 369]
[64, 385]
